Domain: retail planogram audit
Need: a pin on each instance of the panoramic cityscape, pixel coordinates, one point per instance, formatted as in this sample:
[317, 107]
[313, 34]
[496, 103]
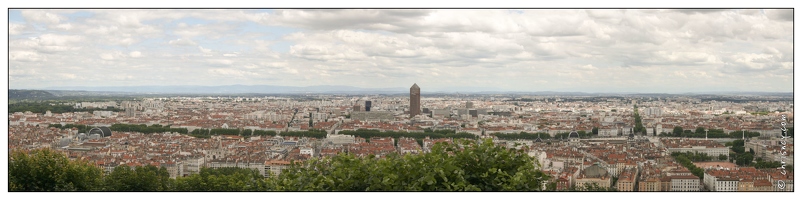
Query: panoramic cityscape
[574, 100]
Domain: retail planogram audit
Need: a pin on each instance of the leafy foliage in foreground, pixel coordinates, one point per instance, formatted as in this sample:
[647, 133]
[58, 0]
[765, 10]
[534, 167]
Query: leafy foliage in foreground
[462, 166]
[138, 179]
[46, 170]
[222, 179]
[465, 165]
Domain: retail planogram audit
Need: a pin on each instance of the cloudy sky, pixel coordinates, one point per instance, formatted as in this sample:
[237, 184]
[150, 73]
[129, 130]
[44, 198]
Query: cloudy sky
[669, 51]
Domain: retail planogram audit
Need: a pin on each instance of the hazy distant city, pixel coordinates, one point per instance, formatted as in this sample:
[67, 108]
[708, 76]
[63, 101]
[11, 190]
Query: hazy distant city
[574, 134]
[594, 100]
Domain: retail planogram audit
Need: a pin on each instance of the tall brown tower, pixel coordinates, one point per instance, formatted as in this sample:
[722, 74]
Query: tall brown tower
[414, 100]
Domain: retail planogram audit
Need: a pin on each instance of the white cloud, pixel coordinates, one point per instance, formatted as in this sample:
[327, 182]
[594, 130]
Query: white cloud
[41, 16]
[588, 67]
[182, 42]
[25, 56]
[555, 49]
[22, 72]
[231, 72]
[65, 27]
[15, 29]
[225, 62]
[58, 40]
[204, 50]
[107, 56]
[211, 31]
[112, 55]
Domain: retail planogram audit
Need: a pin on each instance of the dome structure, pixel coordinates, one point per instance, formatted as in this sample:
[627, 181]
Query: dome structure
[102, 131]
[573, 134]
[595, 171]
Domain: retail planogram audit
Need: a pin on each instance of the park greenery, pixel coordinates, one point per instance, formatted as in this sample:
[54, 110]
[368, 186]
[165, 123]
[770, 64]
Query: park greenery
[682, 158]
[639, 129]
[449, 167]
[699, 132]
[42, 107]
[200, 133]
[521, 136]
[582, 134]
[48, 171]
[432, 134]
[313, 133]
[142, 128]
[543, 136]
[81, 128]
[740, 155]
[207, 133]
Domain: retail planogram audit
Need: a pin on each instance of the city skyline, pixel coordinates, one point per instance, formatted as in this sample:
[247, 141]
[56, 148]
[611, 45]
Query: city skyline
[567, 50]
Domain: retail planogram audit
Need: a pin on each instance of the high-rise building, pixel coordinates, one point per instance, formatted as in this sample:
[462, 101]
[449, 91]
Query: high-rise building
[367, 105]
[473, 113]
[469, 105]
[357, 107]
[414, 100]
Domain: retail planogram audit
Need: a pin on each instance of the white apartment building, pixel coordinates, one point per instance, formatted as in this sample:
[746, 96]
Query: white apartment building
[340, 139]
[714, 152]
[720, 184]
[192, 165]
[685, 184]
[274, 167]
[308, 151]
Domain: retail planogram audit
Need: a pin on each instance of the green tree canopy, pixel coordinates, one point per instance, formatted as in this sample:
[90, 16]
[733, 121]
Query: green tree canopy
[47, 170]
[138, 179]
[677, 131]
[222, 179]
[465, 165]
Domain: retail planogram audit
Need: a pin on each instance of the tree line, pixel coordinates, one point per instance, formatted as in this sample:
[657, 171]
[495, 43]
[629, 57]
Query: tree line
[543, 136]
[686, 162]
[314, 133]
[157, 128]
[699, 132]
[142, 128]
[449, 167]
[521, 136]
[367, 134]
[207, 133]
[42, 107]
[81, 128]
[639, 129]
[740, 155]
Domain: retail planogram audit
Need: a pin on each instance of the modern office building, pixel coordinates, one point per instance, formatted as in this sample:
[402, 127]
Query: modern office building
[367, 105]
[414, 100]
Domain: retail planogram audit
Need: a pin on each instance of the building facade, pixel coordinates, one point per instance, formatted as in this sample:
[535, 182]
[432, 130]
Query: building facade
[685, 184]
[720, 184]
[414, 100]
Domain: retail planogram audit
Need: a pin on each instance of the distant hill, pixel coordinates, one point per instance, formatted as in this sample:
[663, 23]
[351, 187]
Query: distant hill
[235, 89]
[29, 94]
